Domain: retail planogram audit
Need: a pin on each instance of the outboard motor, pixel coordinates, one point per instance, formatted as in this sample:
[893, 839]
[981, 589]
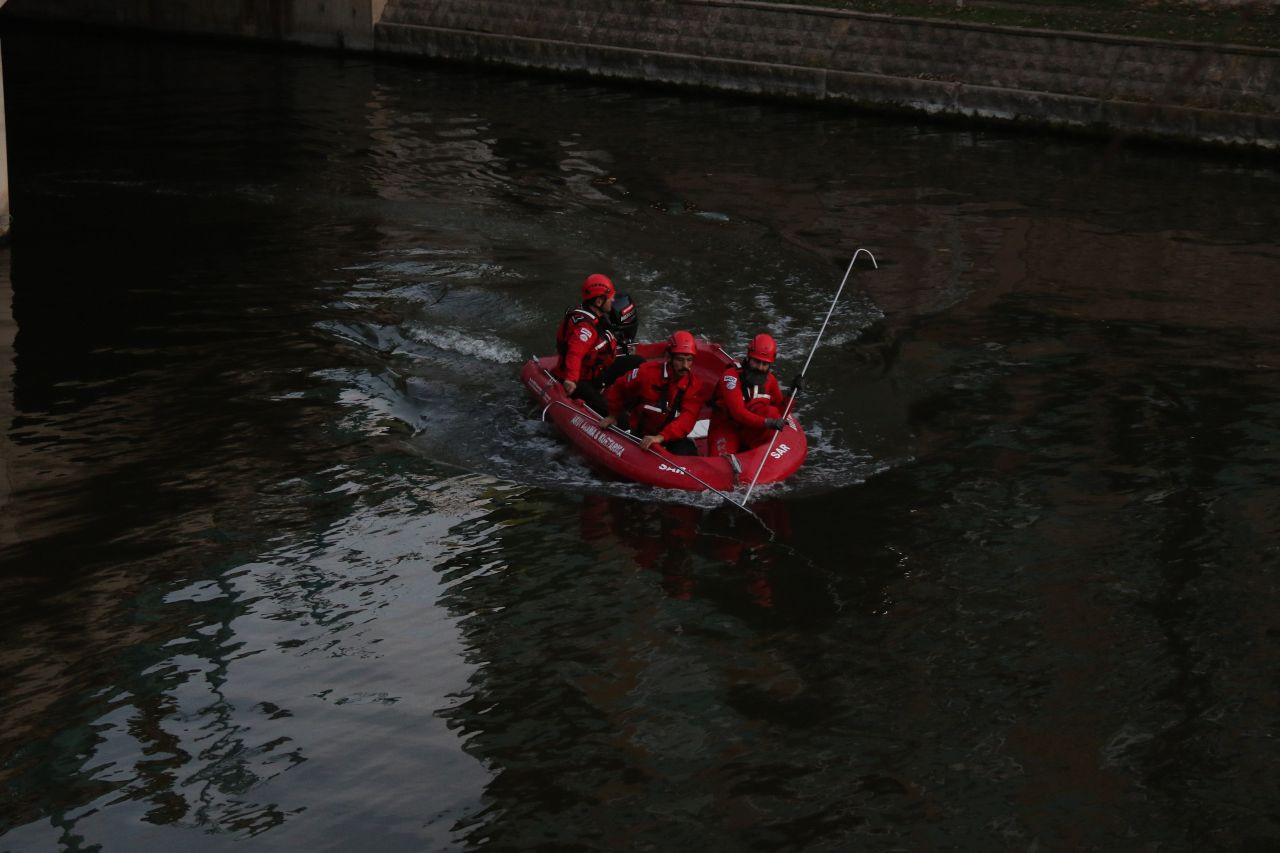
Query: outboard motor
[624, 320]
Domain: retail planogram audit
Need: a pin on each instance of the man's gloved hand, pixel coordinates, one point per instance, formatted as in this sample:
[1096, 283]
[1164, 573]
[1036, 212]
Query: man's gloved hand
[774, 423]
[797, 385]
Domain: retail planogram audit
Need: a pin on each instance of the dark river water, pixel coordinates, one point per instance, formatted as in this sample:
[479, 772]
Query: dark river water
[288, 562]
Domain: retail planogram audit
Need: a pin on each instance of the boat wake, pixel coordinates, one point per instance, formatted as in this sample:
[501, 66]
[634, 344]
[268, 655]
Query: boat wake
[428, 349]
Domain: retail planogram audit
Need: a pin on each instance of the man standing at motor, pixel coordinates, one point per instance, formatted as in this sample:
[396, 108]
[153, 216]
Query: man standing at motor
[660, 398]
[747, 402]
[587, 346]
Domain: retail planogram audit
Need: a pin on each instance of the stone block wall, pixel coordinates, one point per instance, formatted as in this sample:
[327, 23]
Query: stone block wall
[1187, 92]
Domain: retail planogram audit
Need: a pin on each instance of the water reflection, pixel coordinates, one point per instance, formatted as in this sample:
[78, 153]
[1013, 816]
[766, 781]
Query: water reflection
[662, 538]
[641, 656]
[207, 712]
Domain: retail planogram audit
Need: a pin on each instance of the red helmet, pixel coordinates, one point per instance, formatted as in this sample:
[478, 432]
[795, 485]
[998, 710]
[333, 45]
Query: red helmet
[762, 348]
[681, 343]
[597, 285]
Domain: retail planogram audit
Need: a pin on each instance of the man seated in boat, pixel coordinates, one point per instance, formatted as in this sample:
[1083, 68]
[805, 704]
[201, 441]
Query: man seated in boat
[747, 403]
[591, 354]
[660, 399]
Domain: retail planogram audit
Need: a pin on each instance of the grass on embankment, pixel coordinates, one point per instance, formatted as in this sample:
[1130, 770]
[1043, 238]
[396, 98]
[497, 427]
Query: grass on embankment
[1245, 22]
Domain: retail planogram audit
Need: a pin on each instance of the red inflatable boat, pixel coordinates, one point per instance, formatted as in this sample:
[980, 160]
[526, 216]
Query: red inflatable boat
[619, 453]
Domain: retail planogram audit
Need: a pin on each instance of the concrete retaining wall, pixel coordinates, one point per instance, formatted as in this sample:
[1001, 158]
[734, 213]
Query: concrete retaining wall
[1226, 96]
[1183, 92]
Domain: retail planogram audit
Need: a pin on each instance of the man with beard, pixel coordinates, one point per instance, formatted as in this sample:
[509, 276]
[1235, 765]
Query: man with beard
[747, 403]
[660, 399]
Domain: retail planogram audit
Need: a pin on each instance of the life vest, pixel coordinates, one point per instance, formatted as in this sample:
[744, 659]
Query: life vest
[602, 346]
[749, 392]
[654, 416]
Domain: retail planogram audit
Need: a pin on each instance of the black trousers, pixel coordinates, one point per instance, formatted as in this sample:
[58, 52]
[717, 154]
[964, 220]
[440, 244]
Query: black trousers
[681, 447]
[621, 365]
[592, 393]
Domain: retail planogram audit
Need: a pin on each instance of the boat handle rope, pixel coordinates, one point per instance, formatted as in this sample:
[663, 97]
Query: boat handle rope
[665, 458]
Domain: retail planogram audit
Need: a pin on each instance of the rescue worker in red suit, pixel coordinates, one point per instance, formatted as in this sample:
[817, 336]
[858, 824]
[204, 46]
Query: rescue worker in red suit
[588, 347]
[747, 403]
[660, 398]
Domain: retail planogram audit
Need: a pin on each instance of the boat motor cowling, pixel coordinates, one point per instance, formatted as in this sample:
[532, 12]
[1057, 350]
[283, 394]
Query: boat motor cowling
[624, 319]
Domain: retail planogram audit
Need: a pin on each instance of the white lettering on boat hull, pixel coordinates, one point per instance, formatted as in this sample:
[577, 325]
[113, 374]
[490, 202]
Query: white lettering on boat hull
[601, 437]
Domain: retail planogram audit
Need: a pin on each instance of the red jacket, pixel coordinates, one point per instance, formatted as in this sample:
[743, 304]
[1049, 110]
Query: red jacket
[659, 404]
[585, 348]
[731, 399]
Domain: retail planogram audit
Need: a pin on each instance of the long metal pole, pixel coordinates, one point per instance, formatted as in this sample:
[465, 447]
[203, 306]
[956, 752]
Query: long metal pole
[787, 410]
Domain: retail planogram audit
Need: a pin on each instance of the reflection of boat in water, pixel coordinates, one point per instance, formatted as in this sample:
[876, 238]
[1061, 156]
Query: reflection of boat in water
[665, 538]
[618, 452]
